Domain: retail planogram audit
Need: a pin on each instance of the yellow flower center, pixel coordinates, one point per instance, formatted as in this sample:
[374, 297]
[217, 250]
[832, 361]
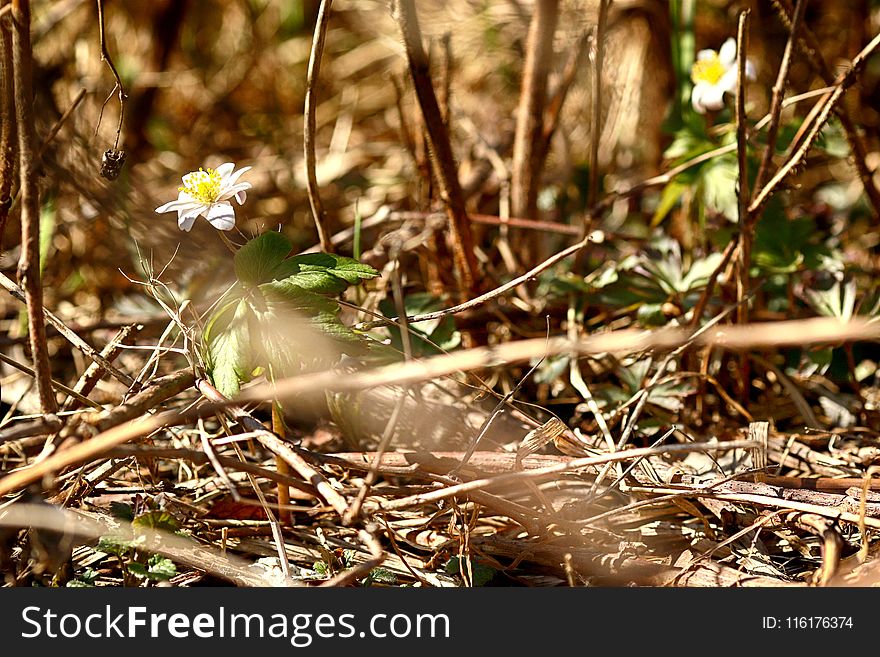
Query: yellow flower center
[709, 70]
[202, 185]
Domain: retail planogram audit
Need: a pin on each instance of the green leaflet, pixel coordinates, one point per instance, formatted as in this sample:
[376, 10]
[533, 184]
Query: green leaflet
[157, 568]
[280, 311]
[227, 338]
[258, 260]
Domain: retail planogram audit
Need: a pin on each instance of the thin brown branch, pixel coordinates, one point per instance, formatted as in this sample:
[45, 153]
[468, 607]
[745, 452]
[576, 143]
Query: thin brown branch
[70, 335]
[143, 402]
[373, 473]
[277, 446]
[197, 456]
[8, 141]
[446, 78]
[710, 285]
[29, 264]
[105, 57]
[810, 45]
[81, 94]
[761, 500]
[94, 371]
[309, 120]
[60, 387]
[745, 232]
[445, 169]
[527, 163]
[828, 103]
[625, 341]
[548, 471]
[746, 228]
[492, 294]
[779, 94]
[86, 451]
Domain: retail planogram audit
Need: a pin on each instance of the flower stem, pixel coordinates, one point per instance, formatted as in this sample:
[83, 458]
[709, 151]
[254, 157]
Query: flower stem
[282, 467]
[228, 242]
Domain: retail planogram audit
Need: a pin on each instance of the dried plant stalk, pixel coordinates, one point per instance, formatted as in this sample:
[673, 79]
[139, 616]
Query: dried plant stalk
[29, 264]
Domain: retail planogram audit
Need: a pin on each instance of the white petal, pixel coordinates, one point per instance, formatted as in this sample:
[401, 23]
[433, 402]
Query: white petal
[225, 169]
[184, 200]
[241, 197]
[697, 98]
[750, 70]
[728, 81]
[185, 220]
[235, 176]
[705, 54]
[712, 97]
[221, 216]
[727, 54]
[229, 192]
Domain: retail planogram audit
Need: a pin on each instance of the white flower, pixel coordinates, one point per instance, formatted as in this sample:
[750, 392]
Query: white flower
[207, 192]
[713, 74]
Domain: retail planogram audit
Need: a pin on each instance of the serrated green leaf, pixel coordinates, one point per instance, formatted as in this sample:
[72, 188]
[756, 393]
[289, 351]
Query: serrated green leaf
[160, 568]
[349, 270]
[138, 569]
[157, 520]
[259, 259]
[280, 313]
[380, 576]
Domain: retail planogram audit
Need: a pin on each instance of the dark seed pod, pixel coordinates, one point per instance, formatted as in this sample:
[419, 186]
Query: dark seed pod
[111, 163]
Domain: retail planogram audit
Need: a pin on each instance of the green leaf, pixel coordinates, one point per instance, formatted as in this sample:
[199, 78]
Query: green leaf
[441, 332]
[783, 245]
[122, 511]
[671, 195]
[86, 579]
[380, 576]
[318, 282]
[293, 329]
[280, 313]
[718, 185]
[258, 260]
[157, 568]
[839, 301]
[228, 341]
[651, 314]
[701, 270]
[482, 574]
[157, 520]
[347, 269]
[161, 568]
[118, 546]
